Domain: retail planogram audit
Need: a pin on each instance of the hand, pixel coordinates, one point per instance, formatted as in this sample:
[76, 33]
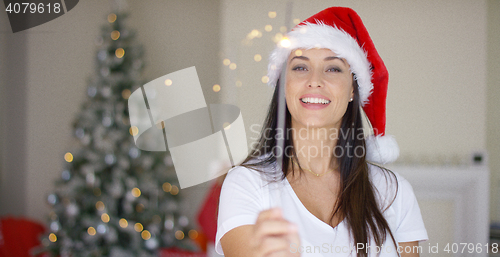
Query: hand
[273, 235]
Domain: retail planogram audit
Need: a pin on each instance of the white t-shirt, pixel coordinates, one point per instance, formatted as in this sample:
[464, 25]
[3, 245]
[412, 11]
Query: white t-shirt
[246, 192]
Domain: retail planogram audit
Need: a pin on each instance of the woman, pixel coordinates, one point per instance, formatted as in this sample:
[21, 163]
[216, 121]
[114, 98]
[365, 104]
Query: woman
[329, 199]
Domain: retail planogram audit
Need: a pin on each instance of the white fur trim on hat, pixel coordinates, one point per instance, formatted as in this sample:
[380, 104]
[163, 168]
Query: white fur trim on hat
[319, 35]
[381, 149]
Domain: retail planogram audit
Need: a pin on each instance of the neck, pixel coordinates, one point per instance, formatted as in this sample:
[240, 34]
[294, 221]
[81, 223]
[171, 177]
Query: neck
[315, 146]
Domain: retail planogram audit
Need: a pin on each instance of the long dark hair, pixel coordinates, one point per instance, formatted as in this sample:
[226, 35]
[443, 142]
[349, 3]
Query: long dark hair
[357, 203]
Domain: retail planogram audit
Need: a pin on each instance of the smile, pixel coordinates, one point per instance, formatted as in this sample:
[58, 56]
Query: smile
[312, 100]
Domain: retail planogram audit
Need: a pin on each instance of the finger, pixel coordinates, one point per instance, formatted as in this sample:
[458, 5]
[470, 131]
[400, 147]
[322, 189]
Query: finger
[272, 228]
[273, 213]
[274, 244]
[293, 237]
[282, 253]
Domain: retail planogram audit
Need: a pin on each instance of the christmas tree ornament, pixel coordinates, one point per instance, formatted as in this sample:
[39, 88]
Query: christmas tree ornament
[52, 199]
[152, 243]
[72, 210]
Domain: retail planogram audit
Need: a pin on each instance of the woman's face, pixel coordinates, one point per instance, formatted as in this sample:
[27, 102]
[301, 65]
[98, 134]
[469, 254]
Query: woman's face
[318, 88]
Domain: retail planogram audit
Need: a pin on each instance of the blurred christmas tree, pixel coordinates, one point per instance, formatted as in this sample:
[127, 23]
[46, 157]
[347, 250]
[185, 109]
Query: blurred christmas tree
[114, 199]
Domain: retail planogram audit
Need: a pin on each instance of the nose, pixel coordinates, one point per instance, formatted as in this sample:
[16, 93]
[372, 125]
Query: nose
[315, 79]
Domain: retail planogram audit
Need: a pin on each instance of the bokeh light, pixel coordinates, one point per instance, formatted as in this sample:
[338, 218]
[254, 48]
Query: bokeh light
[123, 223]
[138, 227]
[179, 235]
[136, 192]
[115, 34]
[52, 237]
[91, 231]
[68, 157]
[111, 17]
[120, 52]
[105, 218]
[146, 235]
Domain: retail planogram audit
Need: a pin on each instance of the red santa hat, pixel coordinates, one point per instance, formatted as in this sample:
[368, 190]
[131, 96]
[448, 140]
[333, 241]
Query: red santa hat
[341, 30]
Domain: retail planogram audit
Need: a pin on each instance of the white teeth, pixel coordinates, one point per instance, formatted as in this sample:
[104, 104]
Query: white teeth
[315, 100]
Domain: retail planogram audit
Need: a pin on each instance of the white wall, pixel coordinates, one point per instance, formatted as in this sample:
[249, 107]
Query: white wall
[13, 113]
[493, 107]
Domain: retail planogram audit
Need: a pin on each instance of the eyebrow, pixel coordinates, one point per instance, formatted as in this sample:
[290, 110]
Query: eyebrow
[329, 58]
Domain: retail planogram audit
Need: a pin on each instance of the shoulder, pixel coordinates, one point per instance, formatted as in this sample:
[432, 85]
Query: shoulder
[239, 173]
[246, 178]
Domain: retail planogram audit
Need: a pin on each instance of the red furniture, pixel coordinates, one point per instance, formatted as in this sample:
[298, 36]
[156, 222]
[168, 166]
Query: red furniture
[18, 236]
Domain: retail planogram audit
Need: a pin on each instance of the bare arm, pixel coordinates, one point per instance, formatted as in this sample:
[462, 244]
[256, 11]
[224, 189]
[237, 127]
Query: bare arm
[271, 235]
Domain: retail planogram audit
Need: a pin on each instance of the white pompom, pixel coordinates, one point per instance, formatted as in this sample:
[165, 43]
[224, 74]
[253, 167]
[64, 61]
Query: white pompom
[381, 149]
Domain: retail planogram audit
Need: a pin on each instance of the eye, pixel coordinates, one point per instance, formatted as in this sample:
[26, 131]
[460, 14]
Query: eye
[299, 68]
[334, 69]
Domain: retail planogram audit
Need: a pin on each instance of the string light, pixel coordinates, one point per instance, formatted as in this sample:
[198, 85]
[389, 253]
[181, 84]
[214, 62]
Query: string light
[283, 29]
[126, 93]
[115, 34]
[138, 227]
[175, 190]
[232, 66]
[146, 235]
[257, 58]
[238, 83]
[268, 28]
[99, 206]
[166, 187]
[265, 79]
[111, 17]
[52, 237]
[134, 130]
[296, 21]
[298, 52]
[179, 235]
[168, 82]
[123, 223]
[271, 15]
[68, 157]
[285, 42]
[136, 192]
[216, 88]
[193, 234]
[226, 62]
[105, 218]
[120, 52]
[91, 231]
